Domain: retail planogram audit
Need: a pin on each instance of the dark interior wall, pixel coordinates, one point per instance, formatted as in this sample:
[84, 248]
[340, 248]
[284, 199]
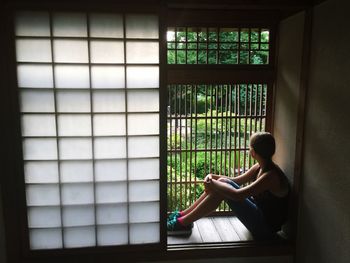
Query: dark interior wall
[324, 222]
[287, 98]
[290, 37]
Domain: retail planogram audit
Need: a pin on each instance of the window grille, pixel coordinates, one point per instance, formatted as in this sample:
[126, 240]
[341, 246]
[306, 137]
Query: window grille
[89, 105]
[208, 130]
[187, 45]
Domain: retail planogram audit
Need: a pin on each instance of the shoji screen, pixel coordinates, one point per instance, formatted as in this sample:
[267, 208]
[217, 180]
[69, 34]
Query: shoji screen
[89, 103]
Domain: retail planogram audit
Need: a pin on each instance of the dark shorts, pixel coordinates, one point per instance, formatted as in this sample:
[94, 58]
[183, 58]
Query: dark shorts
[251, 216]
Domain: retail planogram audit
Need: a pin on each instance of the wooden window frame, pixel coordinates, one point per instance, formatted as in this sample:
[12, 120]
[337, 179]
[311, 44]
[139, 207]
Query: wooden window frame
[13, 194]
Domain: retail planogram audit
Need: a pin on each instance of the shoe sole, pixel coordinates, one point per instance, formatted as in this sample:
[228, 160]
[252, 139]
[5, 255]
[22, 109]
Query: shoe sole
[180, 233]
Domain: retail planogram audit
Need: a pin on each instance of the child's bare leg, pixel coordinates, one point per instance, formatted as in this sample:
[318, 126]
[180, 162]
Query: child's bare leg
[208, 204]
[194, 205]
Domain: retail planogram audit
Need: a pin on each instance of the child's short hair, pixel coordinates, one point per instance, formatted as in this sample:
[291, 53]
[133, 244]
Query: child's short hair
[263, 144]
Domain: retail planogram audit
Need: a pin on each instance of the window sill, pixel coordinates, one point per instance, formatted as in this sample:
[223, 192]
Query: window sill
[232, 249]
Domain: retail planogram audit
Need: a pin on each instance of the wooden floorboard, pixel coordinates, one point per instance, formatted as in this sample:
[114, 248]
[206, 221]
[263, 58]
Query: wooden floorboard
[208, 231]
[241, 230]
[212, 230]
[225, 230]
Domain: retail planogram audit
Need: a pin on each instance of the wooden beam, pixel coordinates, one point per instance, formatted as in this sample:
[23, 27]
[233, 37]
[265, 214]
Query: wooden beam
[198, 74]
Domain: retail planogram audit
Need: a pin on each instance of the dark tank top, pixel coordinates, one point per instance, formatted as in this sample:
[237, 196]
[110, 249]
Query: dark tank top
[274, 208]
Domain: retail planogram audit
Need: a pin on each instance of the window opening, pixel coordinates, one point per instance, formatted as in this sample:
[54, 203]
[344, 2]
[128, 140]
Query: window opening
[209, 127]
[209, 45]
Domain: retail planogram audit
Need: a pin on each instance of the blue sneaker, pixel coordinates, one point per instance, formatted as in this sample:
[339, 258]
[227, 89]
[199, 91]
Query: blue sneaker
[173, 215]
[174, 228]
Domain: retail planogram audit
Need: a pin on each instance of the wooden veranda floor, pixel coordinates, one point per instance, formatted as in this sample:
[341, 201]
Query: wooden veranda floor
[214, 229]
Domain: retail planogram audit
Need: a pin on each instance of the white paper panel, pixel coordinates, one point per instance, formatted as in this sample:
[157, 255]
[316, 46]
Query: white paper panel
[37, 101]
[110, 170]
[106, 25]
[38, 125]
[75, 148]
[73, 101]
[72, 76]
[70, 51]
[143, 169]
[109, 124]
[73, 194]
[110, 148]
[144, 233]
[34, 76]
[45, 238]
[112, 214]
[46, 194]
[143, 146]
[108, 101]
[41, 172]
[69, 25]
[149, 190]
[141, 26]
[140, 101]
[33, 50]
[103, 51]
[43, 217]
[112, 235]
[143, 124]
[74, 125]
[144, 212]
[78, 215]
[107, 77]
[142, 52]
[32, 24]
[142, 76]
[39, 149]
[79, 237]
[76, 171]
[111, 192]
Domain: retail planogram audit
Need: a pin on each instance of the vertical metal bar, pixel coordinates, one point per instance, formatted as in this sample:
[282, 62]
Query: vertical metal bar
[186, 44]
[261, 105]
[226, 130]
[256, 107]
[259, 38]
[239, 47]
[170, 148]
[239, 126]
[206, 131]
[230, 130]
[56, 122]
[180, 146]
[216, 127]
[250, 119]
[226, 170]
[217, 47]
[176, 42]
[126, 128]
[235, 132]
[163, 125]
[245, 126]
[195, 137]
[186, 148]
[222, 132]
[191, 139]
[249, 44]
[175, 145]
[207, 44]
[265, 99]
[92, 127]
[211, 129]
[197, 49]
